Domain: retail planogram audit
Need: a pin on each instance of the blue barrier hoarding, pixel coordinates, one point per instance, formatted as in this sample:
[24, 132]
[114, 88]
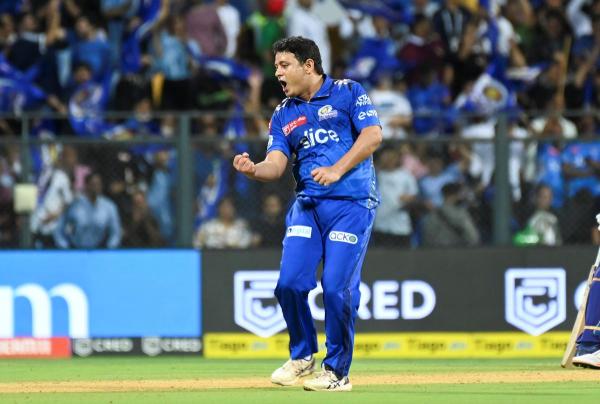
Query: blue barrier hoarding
[96, 294]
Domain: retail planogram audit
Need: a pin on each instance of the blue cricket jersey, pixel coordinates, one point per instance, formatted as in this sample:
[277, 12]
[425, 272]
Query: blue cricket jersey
[319, 132]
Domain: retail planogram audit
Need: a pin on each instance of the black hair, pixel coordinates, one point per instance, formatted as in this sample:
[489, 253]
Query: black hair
[88, 178]
[451, 189]
[83, 65]
[418, 19]
[302, 48]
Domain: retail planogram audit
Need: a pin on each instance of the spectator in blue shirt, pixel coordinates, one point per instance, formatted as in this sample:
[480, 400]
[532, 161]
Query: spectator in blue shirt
[430, 100]
[431, 185]
[171, 57]
[91, 48]
[91, 221]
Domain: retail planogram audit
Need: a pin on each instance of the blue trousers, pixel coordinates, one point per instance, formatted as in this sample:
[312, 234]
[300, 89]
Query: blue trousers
[591, 335]
[336, 232]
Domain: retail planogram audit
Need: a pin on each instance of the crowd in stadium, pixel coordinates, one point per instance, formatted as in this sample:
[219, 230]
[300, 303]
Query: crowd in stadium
[437, 71]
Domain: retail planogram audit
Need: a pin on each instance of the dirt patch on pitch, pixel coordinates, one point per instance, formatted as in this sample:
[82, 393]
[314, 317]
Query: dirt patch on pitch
[263, 382]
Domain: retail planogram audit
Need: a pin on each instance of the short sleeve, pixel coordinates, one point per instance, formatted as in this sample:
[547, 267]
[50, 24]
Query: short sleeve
[277, 139]
[362, 111]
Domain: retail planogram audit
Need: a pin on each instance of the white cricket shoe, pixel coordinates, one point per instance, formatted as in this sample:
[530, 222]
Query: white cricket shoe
[590, 360]
[292, 371]
[328, 381]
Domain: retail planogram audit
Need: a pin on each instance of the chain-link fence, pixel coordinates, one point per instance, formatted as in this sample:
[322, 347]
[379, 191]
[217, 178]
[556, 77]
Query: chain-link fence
[490, 183]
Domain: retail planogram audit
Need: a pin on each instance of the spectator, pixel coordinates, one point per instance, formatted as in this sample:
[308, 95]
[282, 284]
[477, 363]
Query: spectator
[544, 221]
[430, 100]
[271, 222]
[7, 32]
[159, 194]
[91, 221]
[54, 196]
[411, 161]
[581, 165]
[230, 19]
[438, 175]
[421, 48]
[140, 229]
[8, 218]
[451, 224]
[398, 189]
[225, 231]
[449, 22]
[171, 58]
[303, 21]
[394, 110]
[116, 13]
[90, 47]
[376, 54]
[204, 26]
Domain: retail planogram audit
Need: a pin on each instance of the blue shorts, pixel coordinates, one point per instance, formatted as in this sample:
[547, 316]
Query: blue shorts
[337, 232]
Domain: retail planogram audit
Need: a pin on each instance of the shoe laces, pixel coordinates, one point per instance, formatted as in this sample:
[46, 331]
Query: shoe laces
[296, 365]
[328, 375]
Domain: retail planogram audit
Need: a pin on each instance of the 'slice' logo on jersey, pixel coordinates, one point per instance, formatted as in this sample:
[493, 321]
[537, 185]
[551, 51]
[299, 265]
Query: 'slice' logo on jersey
[320, 136]
[287, 129]
[327, 112]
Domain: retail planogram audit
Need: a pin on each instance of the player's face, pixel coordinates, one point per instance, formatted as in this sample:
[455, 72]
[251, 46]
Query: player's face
[290, 73]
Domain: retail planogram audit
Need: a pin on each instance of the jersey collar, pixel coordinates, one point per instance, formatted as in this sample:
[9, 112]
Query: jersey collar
[324, 91]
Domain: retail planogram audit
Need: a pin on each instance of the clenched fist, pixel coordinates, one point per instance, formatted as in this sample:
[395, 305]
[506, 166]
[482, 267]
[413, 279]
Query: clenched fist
[243, 164]
[325, 175]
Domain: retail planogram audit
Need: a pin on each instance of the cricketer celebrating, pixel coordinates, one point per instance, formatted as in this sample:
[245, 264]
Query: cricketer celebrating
[332, 129]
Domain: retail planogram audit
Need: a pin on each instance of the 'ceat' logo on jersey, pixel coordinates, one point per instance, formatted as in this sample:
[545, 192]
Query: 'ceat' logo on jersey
[327, 112]
[287, 129]
[320, 136]
[364, 114]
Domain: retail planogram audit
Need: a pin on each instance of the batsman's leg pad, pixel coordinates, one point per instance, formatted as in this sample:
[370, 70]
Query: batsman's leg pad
[591, 331]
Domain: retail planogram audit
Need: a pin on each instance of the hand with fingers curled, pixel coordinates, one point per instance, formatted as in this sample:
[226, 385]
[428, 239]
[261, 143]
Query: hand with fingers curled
[244, 165]
[325, 175]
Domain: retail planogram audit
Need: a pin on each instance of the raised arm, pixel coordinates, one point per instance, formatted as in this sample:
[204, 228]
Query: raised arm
[270, 169]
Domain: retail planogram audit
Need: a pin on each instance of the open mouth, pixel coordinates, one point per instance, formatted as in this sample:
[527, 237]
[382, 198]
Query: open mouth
[283, 85]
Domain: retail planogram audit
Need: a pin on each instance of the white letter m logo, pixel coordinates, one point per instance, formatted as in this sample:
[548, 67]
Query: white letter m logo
[41, 309]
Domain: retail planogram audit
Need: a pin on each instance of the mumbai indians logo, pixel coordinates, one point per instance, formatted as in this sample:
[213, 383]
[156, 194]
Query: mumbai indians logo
[535, 298]
[255, 306]
[327, 112]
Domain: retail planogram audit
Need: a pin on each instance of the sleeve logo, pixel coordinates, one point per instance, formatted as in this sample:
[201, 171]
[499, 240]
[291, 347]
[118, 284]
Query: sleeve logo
[363, 100]
[365, 114]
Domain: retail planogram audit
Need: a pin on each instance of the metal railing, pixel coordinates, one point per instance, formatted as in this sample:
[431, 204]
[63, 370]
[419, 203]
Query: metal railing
[183, 142]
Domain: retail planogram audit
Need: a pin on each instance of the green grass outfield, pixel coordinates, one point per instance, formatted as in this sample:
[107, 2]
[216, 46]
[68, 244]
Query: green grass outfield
[197, 380]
